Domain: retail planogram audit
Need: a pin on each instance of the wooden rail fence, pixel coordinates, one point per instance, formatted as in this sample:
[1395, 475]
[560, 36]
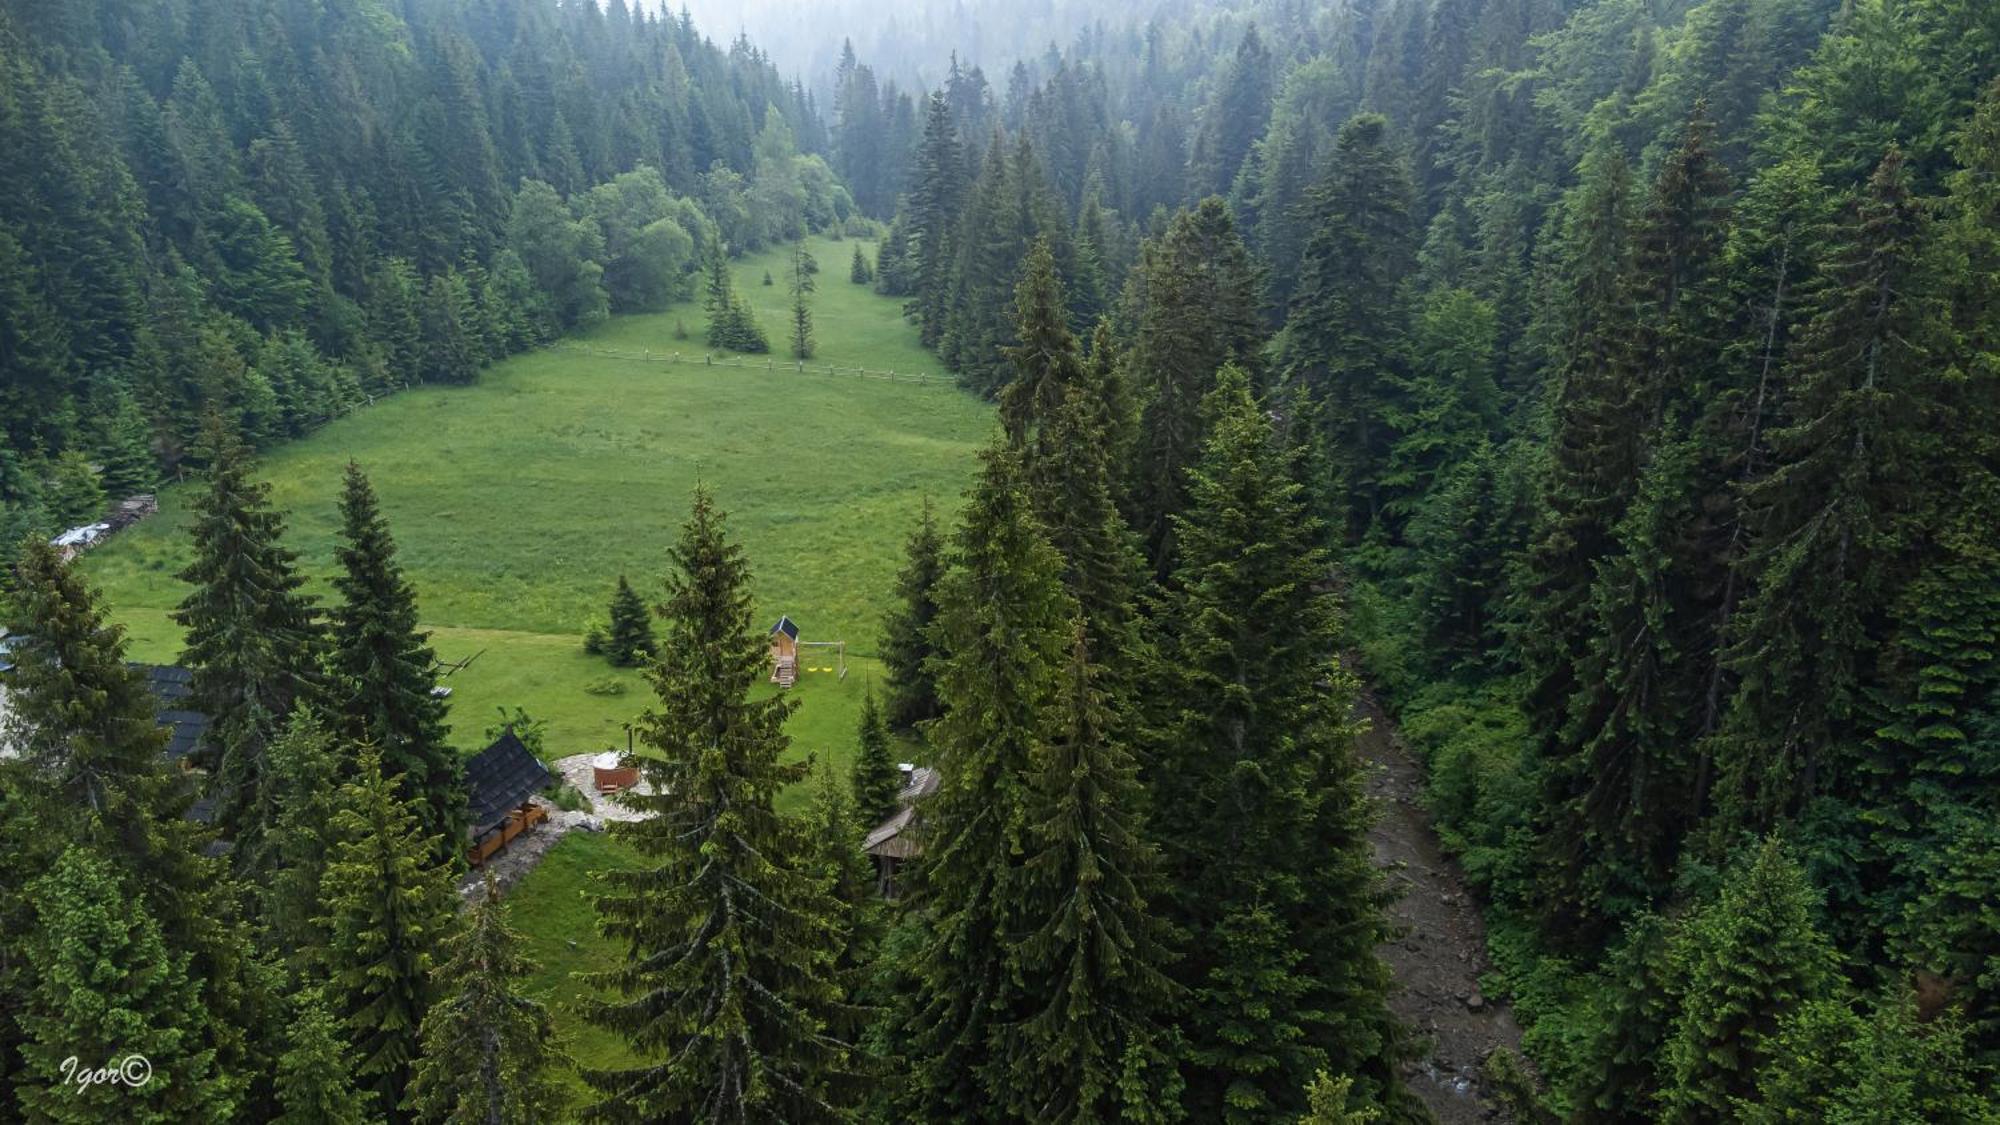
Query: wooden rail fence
[759, 363]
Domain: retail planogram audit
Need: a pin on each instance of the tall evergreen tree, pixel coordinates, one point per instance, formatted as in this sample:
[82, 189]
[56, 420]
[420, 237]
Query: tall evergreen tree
[848, 875]
[877, 782]
[801, 285]
[908, 648]
[1097, 1044]
[1047, 363]
[1591, 465]
[387, 906]
[1636, 712]
[1193, 300]
[384, 671]
[296, 803]
[937, 190]
[1742, 964]
[253, 636]
[109, 992]
[315, 1074]
[1259, 806]
[1347, 336]
[728, 1005]
[90, 759]
[1830, 540]
[1054, 414]
[490, 1053]
[79, 720]
[1003, 627]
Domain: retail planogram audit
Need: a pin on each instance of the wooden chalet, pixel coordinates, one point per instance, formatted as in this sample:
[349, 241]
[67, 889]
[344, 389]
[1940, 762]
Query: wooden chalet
[785, 652]
[896, 840]
[501, 782]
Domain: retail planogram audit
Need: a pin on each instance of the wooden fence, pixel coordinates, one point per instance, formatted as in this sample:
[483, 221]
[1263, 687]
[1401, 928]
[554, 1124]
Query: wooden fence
[758, 363]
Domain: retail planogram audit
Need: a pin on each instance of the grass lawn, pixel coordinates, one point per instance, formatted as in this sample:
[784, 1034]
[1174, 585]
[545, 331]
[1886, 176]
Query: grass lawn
[516, 502]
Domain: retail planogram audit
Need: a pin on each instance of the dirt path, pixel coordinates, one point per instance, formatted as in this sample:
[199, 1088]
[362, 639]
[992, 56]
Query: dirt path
[1440, 946]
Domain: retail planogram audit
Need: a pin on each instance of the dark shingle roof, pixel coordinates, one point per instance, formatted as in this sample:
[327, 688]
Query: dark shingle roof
[171, 686]
[499, 778]
[786, 627]
[168, 682]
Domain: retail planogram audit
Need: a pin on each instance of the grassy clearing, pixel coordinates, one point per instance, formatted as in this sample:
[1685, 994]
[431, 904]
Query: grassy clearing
[516, 502]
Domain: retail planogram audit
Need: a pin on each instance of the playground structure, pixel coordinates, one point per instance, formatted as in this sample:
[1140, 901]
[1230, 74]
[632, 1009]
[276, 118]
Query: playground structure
[785, 654]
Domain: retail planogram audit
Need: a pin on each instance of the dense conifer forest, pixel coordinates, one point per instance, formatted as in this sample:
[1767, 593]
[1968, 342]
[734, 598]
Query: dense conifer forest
[1609, 388]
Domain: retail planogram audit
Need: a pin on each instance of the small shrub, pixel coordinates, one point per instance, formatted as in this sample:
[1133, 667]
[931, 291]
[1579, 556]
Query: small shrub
[532, 732]
[609, 685]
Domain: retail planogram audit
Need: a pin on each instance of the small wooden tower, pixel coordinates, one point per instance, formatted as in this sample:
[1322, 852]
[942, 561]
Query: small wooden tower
[784, 653]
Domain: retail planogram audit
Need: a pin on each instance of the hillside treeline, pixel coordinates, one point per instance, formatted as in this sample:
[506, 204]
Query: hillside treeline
[1644, 356]
[272, 209]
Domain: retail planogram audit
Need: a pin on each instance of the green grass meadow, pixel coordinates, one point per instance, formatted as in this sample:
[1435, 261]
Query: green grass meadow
[517, 502]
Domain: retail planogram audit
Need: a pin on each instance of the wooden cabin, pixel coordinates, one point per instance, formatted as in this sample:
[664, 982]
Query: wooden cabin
[785, 653]
[501, 782]
[896, 840]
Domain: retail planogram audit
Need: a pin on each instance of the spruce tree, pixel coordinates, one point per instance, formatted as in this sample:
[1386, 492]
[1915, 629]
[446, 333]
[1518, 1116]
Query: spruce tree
[1617, 1076]
[109, 992]
[75, 495]
[1004, 627]
[858, 271]
[1047, 363]
[384, 671]
[253, 636]
[296, 802]
[1885, 1062]
[727, 1007]
[1830, 536]
[449, 351]
[1097, 1043]
[1638, 705]
[630, 640]
[1053, 414]
[847, 874]
[937, 190]
[124, 444]
[1193, 300]
[801, 285]
[315, 1081]
[1741, 965]
[386, 907]
[81, 723]
[79, 720]
[1346, 339]
[908, 648]
[1258, 799]
[1591, 465]
[490, 1053]
[1009, 208]
[1110, 390]
[877, 781]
